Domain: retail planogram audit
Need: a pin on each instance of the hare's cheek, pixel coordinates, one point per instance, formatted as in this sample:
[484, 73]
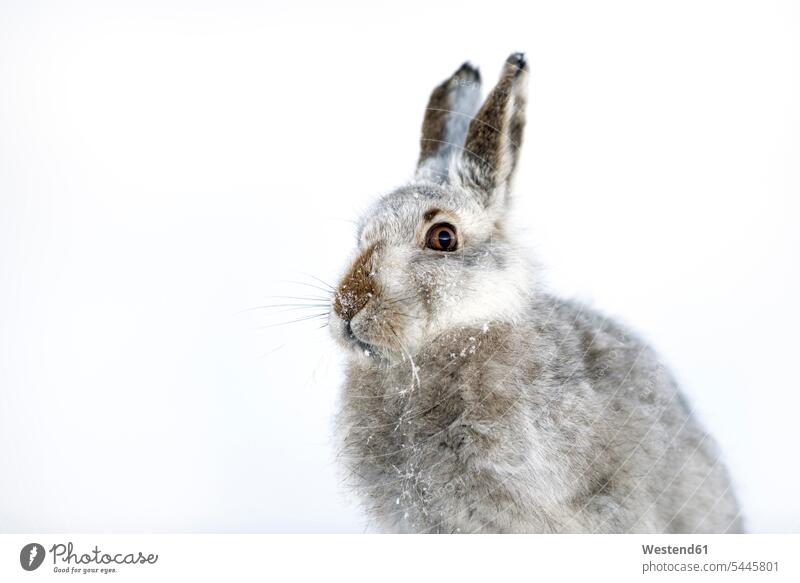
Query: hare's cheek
[389, 323]
[393, 268]
[445, 292]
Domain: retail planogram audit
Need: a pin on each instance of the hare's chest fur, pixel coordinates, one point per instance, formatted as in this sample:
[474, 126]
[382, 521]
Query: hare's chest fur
[447, 443]
[569, 426]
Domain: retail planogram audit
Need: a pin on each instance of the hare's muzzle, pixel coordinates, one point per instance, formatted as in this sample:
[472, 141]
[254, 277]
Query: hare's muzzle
[357, 287]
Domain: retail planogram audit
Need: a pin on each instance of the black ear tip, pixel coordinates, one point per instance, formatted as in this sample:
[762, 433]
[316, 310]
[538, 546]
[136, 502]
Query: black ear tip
[469, 71]
[518, 60]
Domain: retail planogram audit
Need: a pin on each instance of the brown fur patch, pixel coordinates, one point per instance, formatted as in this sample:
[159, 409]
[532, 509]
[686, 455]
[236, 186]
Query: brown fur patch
[356, 287]
[428, 216]
[440, 113]
[434, 122]
[494, 125]
[485, 136]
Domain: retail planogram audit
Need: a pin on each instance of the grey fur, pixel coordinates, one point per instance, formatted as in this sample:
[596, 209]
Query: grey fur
[476, 402]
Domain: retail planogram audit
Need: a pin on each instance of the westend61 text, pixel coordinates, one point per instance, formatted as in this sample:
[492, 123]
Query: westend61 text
[675, 550]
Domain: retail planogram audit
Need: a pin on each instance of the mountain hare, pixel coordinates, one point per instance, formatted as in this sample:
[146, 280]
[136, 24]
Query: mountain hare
[476, 402]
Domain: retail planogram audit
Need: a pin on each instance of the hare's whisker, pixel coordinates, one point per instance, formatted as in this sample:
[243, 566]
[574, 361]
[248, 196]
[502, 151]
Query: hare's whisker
[323, 282]
[298, 306]
[311, 285]
[404, 315]
[395, 300]
[302, 298]
[303, 319]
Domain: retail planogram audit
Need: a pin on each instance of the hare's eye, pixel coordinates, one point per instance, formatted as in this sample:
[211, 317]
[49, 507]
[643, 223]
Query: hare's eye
[441, 237]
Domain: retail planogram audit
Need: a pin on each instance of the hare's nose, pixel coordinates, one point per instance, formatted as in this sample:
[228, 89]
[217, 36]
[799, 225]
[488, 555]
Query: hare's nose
[357, 287]
[350, 301]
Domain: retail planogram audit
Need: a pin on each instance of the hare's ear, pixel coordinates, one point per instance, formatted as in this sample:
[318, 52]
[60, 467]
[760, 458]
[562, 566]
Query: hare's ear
[491, 149]
[447, 117]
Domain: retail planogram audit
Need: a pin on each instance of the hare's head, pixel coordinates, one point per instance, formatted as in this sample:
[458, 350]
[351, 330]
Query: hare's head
[434, 255]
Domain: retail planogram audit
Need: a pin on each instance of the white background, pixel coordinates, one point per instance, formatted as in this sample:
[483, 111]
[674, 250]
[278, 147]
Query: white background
[165, 165]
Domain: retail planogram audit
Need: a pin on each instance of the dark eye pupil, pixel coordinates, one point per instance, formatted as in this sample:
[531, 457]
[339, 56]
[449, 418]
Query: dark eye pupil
[441, 237]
